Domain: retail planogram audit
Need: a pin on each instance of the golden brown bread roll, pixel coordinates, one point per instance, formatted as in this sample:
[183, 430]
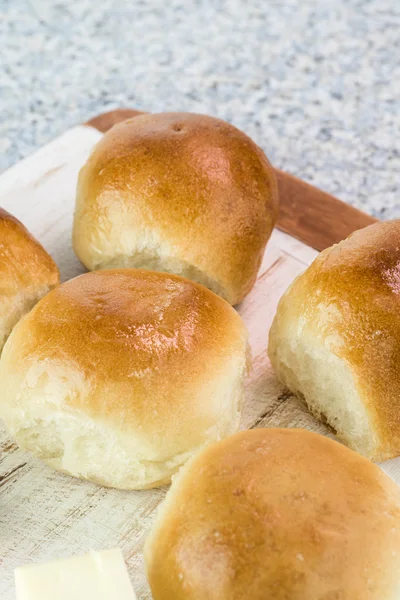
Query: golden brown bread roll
[277, 514]
[335, 339]
[120, 376]
[27, 272]
[177, 192]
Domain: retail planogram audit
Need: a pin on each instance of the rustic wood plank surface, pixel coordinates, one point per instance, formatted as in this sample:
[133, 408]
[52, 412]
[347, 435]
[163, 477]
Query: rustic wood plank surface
[44, 514]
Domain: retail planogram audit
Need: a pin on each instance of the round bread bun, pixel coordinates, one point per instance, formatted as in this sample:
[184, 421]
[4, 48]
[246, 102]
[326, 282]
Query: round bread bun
[181, 193]
[120, 376]
[277, 514]
[27, 273]
[335, 340]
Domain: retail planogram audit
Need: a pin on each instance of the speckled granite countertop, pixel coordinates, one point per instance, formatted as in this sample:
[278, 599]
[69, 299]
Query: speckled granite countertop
[315, 82]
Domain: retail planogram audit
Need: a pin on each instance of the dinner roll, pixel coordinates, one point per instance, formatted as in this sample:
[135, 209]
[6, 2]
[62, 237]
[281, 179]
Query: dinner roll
[177, 192]
[120, 376]
[277, 514]
[27, 273]
[335, 339]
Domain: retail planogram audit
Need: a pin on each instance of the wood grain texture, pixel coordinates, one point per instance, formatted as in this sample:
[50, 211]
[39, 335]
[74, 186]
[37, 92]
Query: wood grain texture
[44, 514]
[313, 216]
[306, 213]
[105, 121]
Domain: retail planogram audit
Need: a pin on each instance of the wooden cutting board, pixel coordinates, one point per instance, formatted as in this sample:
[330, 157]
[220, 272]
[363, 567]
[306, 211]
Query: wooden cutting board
[44, 514]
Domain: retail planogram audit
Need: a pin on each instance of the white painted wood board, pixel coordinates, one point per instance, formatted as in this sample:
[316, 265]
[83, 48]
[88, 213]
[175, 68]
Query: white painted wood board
[46, 515]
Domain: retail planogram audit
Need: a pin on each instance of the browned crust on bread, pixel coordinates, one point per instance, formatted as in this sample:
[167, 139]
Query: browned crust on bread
[277, 513]
[198, 184]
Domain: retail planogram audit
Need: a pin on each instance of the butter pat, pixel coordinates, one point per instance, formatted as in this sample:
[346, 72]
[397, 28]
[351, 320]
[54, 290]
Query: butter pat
[94, 576]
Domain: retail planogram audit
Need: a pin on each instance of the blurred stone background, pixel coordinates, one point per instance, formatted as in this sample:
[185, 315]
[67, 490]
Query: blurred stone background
[315, 82]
